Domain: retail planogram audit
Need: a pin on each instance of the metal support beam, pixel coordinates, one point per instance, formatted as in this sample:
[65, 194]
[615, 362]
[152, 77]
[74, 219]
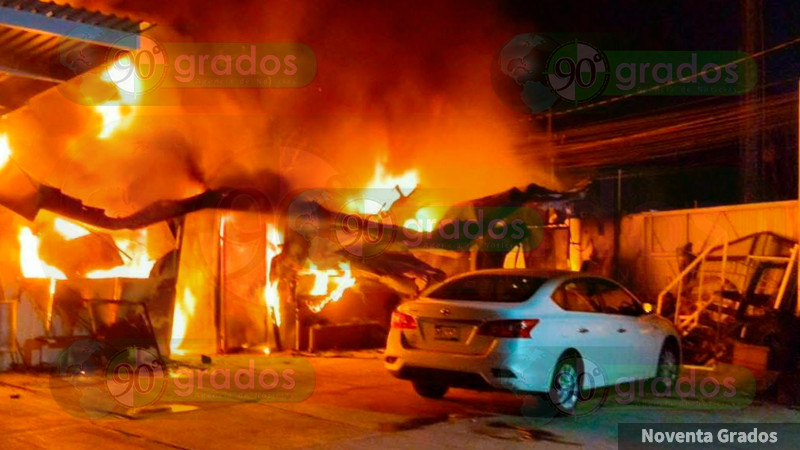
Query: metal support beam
[29, 74]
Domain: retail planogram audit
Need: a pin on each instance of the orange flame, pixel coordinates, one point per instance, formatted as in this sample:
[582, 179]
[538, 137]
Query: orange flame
[271, 294]
[426, 219]
[385, 189]
[117, 114]
[342, 280]
[111, 114]
[320, 279]
[184, 310]
[5, 150]
[69, 230]
[31, 264]
[139, 263]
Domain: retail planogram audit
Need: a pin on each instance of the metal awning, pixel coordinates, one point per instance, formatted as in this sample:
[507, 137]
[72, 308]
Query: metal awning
[44, 44]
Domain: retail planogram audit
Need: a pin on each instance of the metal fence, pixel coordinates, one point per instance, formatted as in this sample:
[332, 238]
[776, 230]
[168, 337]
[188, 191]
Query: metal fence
[651, 243]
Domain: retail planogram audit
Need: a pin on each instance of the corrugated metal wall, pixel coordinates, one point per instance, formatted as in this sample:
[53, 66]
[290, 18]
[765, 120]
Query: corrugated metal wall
[649, 241]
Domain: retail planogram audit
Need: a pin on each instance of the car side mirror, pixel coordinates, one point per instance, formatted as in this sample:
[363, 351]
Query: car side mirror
[647, 307]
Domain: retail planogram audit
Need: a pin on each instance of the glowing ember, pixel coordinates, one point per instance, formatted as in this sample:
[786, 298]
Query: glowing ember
[69, 230]
[5, 150]
[271, 294]
[31, 264]
[139, 263]
[184, 310]
[342, 280]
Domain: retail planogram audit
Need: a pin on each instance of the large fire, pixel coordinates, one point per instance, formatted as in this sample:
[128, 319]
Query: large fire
[191, 147]
[382, 191]
[134, 251]
[385, 189]
[33, 266]
[329, 283]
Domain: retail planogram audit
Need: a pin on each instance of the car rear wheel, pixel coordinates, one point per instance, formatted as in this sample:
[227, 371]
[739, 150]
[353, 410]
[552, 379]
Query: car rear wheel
[429, 389]
[565, 389]
[668, 367]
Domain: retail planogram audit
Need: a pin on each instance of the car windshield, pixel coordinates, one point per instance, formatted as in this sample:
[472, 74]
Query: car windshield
[489, 288]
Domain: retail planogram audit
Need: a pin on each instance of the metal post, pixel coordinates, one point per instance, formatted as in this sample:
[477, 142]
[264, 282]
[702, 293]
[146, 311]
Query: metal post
[720, 296]
[678, 301]
[297, 325]
[8, 333]
[179, 239]
[219, 292]
[753, 188]
[785, 279]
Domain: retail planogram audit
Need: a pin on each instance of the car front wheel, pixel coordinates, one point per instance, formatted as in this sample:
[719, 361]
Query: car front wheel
[430, 390]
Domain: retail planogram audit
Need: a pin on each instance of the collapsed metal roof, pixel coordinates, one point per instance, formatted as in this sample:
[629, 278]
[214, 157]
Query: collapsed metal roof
[45, 44]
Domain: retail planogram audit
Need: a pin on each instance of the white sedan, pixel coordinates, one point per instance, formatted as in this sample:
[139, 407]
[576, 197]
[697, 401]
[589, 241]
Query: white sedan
[551, 332]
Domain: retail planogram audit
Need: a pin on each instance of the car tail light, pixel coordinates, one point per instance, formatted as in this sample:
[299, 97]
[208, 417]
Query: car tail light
[403, 321]
[508, 328]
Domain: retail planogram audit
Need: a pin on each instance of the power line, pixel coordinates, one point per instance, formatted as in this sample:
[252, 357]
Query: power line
[658, 87]
[663, 135]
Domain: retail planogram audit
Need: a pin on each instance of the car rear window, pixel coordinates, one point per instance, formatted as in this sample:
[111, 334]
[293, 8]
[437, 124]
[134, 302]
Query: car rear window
[489, 288]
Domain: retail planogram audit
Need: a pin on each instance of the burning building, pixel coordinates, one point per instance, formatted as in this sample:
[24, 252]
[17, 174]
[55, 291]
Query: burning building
[223, 219]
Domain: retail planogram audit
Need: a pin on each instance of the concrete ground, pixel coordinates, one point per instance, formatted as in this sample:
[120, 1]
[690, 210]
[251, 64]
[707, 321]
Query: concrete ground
[355, 404]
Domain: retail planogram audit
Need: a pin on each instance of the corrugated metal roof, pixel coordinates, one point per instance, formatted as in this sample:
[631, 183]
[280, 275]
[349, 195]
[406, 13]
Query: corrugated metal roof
[76, 15]
[43, 44]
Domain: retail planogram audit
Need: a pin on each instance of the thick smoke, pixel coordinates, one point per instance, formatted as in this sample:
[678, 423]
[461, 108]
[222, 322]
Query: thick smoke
[406, 83]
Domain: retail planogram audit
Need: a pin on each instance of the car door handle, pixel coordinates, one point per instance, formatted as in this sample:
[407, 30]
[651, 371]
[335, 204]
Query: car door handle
[621, 330]
[583, 330]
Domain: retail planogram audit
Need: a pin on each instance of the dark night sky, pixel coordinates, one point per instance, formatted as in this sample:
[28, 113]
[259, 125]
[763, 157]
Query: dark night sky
[709, 177]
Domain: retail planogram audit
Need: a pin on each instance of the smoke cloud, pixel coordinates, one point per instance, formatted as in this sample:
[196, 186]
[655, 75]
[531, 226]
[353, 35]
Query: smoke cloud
[405, 83]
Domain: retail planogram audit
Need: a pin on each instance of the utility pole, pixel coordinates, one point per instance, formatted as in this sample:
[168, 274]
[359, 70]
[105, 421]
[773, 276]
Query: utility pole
[750, 145]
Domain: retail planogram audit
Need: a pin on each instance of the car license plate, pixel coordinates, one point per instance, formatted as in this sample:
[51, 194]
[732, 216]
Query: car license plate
[445, 333]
